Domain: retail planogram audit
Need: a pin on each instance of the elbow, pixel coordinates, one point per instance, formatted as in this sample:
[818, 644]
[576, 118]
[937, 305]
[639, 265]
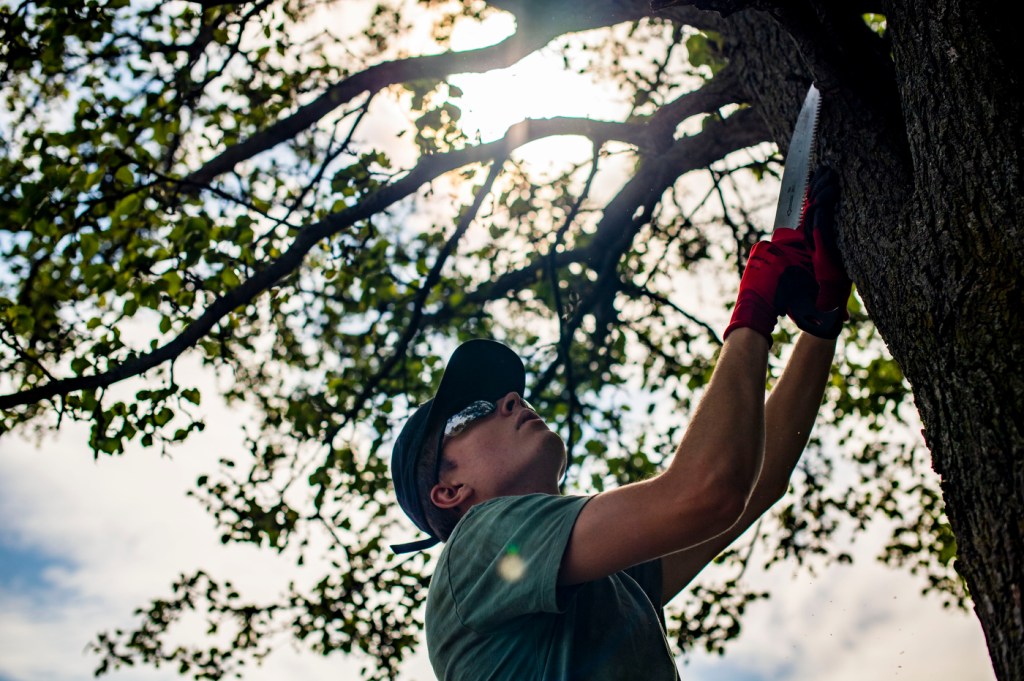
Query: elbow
[729, 502]
[711, 490]
[719, 504]
[729, 494]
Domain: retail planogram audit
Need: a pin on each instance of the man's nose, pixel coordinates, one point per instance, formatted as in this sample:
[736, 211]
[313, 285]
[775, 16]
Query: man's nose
[508, 403]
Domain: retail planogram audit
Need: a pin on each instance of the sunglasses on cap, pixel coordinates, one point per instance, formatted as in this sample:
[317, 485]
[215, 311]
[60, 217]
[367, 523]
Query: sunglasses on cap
[464, 418]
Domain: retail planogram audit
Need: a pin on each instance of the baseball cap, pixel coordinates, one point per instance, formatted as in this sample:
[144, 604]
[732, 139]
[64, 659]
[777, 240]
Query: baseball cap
[479, 369]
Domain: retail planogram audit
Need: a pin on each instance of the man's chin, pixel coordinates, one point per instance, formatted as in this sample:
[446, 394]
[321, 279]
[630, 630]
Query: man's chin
[555, 446]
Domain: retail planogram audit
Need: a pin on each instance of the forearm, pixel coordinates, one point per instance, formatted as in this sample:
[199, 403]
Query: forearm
[793, 404]
[790, 412]
[725, 438]
[703, 491]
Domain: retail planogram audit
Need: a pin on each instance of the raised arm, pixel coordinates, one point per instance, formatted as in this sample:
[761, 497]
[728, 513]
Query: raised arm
[705, 489]
[795, 399]
[789, 416]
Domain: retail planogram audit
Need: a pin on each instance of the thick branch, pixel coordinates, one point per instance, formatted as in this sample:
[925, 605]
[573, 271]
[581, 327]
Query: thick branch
[372, 80]
[633, 206]
[656, 174]
[539, 26]
[721, 90]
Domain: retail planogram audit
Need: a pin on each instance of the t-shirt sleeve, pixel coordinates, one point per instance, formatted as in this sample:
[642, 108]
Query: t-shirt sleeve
[504, 556]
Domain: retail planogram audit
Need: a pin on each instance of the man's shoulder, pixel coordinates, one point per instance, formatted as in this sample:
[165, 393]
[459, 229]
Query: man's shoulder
[508, 514]
[501, 562]
[525, 503]
[522, 526]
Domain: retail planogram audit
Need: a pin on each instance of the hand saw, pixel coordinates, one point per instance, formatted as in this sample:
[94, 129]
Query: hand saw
[789, 213]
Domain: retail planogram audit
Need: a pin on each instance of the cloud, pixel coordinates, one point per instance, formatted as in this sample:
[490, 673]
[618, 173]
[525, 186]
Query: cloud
[849, 623]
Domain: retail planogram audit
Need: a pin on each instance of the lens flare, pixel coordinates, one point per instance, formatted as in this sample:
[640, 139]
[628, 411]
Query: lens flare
[511, 566]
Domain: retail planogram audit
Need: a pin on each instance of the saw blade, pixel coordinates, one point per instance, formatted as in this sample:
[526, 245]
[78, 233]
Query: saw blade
[798, 163]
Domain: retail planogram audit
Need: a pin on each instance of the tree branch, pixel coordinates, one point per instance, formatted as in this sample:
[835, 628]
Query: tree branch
[330, 155]
[564, 334]
[635, 290]
[429, 168]
[413, 326]
[373, 79]
[633, 206]
[656, 173]
[741, 130]
[723, 89]
[538, 26]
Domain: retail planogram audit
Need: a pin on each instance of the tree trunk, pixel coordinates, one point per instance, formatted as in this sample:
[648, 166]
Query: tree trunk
[960, 336]
[929, 149]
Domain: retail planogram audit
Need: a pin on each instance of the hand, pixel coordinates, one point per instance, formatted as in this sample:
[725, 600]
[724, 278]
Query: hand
[777, 272]
[819, 228]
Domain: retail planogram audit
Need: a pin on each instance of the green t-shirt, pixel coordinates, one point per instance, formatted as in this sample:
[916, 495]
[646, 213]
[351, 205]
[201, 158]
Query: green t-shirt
[495, 610]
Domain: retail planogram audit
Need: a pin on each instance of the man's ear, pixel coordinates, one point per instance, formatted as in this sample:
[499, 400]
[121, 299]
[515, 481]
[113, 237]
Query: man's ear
[450, 496]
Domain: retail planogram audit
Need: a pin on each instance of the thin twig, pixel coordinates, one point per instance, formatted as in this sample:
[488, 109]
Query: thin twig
[564, 336]
[329, 157]
[631, 288]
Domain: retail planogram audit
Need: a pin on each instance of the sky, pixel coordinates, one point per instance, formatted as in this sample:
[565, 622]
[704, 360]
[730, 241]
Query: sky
[84, 542]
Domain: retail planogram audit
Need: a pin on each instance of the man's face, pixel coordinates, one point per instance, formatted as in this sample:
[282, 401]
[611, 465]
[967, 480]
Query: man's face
[511, 451]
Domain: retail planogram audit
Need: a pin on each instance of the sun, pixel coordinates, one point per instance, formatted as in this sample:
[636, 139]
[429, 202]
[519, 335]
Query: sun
[538, 86]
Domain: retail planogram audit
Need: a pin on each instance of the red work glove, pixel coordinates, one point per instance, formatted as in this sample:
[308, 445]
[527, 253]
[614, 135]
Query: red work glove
[818, 222]
[775, 271]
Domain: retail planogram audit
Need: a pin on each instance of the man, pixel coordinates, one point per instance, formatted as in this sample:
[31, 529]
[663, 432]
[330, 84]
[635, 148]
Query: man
[534, 585]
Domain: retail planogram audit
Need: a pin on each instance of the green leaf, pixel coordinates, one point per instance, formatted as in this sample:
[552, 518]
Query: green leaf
[705, 50]
[90, 245]
[125, 176]
[229, 278]
[172, 280]
[93, 178]
[126, 206]
[79, 365]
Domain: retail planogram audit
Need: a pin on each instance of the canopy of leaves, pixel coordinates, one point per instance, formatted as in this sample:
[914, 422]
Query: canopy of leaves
[286, 190]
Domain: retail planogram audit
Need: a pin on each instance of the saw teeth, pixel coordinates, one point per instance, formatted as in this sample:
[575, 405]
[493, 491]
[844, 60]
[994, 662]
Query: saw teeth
[811, 158]
[800, 156]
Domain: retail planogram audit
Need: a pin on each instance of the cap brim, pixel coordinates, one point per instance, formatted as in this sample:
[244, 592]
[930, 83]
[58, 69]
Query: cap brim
[479, 369]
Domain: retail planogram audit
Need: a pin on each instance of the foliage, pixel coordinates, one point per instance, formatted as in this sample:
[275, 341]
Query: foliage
[232, 182]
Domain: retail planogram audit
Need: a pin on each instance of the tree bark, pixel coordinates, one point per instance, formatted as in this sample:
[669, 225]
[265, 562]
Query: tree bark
[929, 150]
[961, 337]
